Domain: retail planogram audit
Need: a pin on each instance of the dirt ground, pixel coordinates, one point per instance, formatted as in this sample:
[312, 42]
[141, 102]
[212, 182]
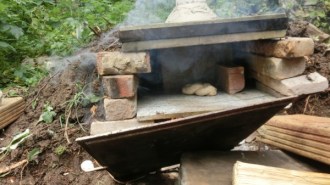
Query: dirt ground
[59, 87]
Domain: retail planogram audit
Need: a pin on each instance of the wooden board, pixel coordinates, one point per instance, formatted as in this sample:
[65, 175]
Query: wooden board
[10, 110]
[198, 41]
[250, 174]
[303, 123]
[160, 107]
[164, 31]
[298, 151]
[311, 137]
[298, 140]
[130, 154]
[216, 168]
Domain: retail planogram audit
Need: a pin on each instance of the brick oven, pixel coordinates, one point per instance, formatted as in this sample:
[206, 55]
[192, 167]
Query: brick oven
[194, 83]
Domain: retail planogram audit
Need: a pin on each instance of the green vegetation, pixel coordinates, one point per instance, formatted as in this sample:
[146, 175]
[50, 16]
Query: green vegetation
[31, 28]
[48, 114]
[60, 150]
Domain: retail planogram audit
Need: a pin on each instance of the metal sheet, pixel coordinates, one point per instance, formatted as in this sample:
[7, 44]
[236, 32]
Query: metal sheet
[163, 31]
[129, 154]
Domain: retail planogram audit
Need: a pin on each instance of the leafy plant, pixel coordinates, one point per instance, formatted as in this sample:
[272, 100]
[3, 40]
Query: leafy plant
[48, 114]
[33, 154]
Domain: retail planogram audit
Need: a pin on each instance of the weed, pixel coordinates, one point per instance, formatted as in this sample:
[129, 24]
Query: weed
[80, 99]
[60, 150]
[48, 114]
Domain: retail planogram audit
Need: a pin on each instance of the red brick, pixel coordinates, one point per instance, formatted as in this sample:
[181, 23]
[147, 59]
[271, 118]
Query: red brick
[120, 86]
[231, 79]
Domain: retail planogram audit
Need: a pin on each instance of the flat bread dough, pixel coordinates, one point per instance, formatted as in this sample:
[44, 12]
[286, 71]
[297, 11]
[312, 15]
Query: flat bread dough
[200, 89]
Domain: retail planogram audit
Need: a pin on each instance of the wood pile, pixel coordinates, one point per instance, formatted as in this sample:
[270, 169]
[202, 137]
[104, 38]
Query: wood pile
[308, 136]
[10, 110]
[251, 174]
[279, 65]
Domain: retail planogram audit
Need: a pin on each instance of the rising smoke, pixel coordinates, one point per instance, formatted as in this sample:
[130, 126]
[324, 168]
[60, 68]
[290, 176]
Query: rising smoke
[156, 11]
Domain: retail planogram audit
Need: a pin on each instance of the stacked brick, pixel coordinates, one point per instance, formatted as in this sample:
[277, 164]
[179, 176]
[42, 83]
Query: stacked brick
[278, 66]
[119, 81]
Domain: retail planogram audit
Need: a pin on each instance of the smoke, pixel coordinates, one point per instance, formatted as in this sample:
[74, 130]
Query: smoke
[156, 11]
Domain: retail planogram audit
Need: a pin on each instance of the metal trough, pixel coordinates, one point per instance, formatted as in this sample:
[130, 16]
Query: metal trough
[129, 154]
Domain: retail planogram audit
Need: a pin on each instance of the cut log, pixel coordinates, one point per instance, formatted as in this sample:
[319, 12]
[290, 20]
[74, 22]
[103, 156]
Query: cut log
[231, 79]
[306, 84]
[277, 68]
[117, 63]
[303, 123]
[296, 134]
[252, 174]
[284, 48]
[298, 151]
[10, 110]
[321, 146]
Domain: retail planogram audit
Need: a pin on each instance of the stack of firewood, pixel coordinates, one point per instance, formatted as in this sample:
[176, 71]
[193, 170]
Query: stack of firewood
[278, 65]
[10, 110]
[308, 136]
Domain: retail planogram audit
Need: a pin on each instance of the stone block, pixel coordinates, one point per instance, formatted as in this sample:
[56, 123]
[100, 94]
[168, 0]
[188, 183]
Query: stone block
[282, 48]
[118, 63]
[231, 79]
[305, 84]
[277, 68]
[120, 86]
[120, 109]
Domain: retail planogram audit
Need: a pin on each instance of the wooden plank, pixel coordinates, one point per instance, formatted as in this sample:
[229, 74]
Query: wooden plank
[197, 41]
[306, 148]
[298, 151]
[164, 31]
[159, 107]
[216, 168]
[10, 110]
[133, 153]
[293, 133]
[250, 174]
[303, 123]
[7, 103]
[321, 146]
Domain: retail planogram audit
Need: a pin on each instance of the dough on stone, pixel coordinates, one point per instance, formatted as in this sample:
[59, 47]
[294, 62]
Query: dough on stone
[200, 89]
